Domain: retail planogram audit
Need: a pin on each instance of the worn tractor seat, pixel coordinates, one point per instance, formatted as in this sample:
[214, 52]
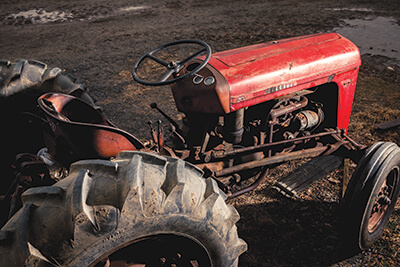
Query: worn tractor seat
[83, 129]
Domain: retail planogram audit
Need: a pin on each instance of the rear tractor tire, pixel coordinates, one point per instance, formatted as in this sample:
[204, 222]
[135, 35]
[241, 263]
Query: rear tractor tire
[371, 196]
[136, 210]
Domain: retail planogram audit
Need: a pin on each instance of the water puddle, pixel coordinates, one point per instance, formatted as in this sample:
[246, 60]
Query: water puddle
[40, 16]
[37, 16]
[359, 9]
[376, 36]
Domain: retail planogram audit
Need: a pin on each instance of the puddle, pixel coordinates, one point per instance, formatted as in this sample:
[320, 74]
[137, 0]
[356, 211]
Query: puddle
[350, 9]
[40, 16]
[36, 16]
[377, 36]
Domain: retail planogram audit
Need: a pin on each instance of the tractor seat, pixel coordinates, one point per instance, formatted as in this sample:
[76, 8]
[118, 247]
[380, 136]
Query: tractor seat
[84, 130]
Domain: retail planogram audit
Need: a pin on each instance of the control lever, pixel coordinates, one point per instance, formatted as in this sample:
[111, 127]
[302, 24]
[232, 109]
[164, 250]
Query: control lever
[177, 129]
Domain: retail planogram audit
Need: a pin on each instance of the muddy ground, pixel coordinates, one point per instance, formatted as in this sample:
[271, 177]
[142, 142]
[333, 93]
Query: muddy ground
[98, 42]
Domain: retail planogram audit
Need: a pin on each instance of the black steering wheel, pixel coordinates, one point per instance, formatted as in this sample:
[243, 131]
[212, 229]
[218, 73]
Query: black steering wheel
[173, 67]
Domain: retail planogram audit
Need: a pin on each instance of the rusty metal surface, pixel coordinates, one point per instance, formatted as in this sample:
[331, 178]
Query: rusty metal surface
[312, 152]
[356, 145]
[276, 112]
[272, 144]
[83, 129]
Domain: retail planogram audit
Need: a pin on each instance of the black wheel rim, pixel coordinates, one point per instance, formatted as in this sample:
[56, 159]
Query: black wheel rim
[383, 200]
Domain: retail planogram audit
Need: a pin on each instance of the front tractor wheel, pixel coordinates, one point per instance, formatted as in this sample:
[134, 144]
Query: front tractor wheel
[137, 210]
[371, 196]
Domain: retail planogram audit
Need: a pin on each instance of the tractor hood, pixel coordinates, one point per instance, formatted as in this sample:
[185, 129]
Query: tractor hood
[250, 75]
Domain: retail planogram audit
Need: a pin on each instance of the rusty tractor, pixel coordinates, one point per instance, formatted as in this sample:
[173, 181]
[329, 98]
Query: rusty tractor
[86, 193]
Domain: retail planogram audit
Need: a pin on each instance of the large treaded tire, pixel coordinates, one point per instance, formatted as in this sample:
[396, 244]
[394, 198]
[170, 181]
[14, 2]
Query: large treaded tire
[371, 196]
[103, 206]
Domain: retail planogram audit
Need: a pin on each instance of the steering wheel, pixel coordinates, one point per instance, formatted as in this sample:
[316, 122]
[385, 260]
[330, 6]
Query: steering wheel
[173, 67]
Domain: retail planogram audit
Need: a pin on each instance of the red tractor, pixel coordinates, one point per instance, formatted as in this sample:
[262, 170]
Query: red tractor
[118, 201]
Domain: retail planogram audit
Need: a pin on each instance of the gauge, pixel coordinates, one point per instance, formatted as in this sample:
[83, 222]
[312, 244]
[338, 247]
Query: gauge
[209, 80]
[197, 79]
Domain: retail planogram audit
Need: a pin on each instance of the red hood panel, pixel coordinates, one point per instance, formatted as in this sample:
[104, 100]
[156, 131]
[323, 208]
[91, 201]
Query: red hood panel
[253, 53]
[265, 71]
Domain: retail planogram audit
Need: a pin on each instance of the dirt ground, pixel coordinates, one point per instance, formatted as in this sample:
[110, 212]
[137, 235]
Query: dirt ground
[98, 42]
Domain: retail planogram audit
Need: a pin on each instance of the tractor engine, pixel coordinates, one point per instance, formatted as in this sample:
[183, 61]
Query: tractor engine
[293, 117]
[279, 119]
